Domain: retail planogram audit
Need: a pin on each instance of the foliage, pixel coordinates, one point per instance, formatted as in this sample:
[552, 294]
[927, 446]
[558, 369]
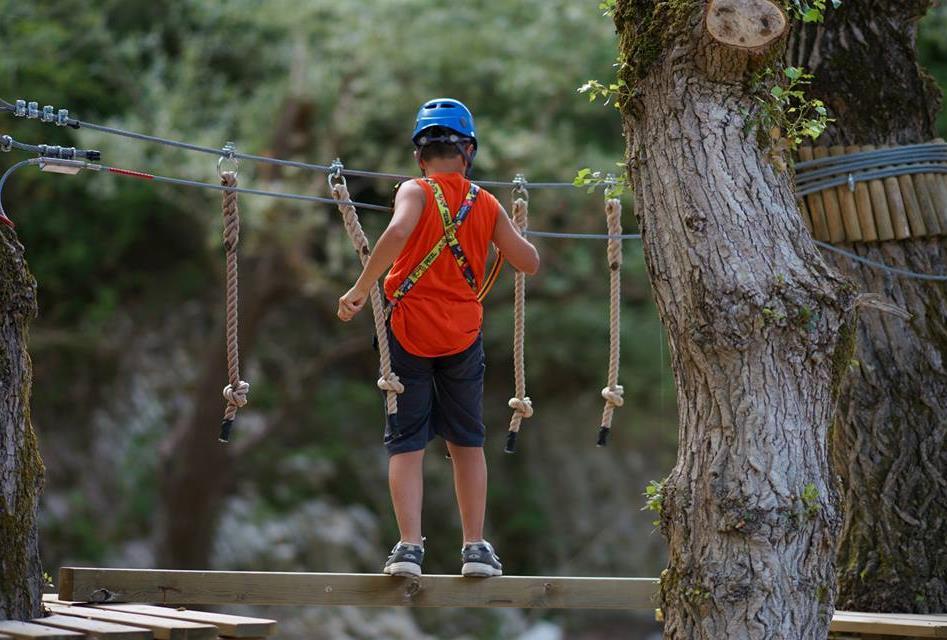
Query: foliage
[614, 186]
[784, 116]
[813, 11]
[654, 499]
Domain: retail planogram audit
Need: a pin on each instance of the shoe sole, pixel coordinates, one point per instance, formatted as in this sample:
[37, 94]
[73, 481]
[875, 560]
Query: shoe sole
[480, 570]
[403, 569]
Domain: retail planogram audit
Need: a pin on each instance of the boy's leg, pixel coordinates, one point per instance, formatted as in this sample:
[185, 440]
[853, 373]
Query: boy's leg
[470, 484]
[406, 480]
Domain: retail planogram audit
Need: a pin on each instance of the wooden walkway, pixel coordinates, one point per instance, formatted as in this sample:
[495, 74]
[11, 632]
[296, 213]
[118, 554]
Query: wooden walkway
[99, 603]
[72, 621]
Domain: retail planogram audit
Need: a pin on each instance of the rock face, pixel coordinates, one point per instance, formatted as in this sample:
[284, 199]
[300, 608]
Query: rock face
[21, 469]
[760, 329]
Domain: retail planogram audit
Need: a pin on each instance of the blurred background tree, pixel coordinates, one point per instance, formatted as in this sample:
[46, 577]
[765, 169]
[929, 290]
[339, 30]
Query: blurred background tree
[130, 288]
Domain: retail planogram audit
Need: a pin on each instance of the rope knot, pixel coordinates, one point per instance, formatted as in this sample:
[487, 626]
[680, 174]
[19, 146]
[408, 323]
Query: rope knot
[614, 395]
[390, 382]
[523, 406]
[237, 397]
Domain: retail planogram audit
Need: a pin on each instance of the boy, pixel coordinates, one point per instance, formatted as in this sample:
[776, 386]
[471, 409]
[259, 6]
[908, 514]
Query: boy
[435, 327]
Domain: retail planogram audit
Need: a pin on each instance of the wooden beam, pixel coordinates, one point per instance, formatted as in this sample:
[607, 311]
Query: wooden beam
[891, 624]
[368, 590]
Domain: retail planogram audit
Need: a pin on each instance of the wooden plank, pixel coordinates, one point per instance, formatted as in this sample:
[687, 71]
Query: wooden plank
[227, 625]
[370, 590]
[820, 229]
[922, 186]
[912, 206]
[866, 219]
[804, 212]
[162, 628]
[879, 205]
[938, 188]
[846, 199]
[24, 630]
[899, 217]
[888, 624]
[833, 210]
[97, 628]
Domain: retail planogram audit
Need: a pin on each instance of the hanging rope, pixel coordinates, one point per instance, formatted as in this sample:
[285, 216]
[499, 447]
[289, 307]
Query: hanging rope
[388, 382]
[520, 403]
[614, 392]
[236, 390]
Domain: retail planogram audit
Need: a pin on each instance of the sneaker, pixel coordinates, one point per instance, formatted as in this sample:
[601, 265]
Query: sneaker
[480, 560]
[405, 560]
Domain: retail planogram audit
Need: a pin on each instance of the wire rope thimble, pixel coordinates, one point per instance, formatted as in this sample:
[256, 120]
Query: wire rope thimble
[519, 187]
[229, 154]
[335, 177]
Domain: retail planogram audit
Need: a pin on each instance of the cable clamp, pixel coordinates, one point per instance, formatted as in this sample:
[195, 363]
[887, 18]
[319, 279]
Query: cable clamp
[67, 167]
[851, 183]
[519, 187]
[62, 118]
[32, 110]
[335, 176]
[6, 144]
[49, 114]
[228, 153]
[20, 111]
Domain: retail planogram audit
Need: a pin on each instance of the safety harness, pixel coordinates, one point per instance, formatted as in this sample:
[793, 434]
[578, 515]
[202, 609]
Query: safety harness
[449, 239]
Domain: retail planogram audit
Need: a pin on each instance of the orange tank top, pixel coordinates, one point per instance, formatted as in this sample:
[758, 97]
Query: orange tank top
[440, 315]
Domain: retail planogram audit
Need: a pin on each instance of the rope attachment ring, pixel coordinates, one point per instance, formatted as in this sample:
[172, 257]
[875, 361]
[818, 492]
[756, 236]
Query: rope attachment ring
[228, 154]
[237, 390]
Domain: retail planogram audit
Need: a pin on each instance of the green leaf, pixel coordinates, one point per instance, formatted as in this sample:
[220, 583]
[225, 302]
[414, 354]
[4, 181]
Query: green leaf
[793, 73]
[812, 15]
[776, 91]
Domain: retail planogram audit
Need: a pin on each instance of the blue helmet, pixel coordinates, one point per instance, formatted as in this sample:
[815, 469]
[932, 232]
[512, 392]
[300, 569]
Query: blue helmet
[448, 113]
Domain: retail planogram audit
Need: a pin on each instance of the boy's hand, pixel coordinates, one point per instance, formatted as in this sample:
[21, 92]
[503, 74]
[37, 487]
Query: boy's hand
[351, 303]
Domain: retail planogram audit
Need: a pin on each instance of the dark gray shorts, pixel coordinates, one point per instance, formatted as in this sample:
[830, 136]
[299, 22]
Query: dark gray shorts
[442, 396]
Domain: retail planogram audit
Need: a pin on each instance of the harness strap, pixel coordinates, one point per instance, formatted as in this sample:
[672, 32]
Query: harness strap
[449, 239]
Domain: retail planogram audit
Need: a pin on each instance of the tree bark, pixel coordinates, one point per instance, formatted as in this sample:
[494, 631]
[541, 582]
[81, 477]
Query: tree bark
[21, 468]
[890, 440]
[760, 330]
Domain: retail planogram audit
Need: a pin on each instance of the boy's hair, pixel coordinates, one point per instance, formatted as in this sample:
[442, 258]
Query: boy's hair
[438, 150]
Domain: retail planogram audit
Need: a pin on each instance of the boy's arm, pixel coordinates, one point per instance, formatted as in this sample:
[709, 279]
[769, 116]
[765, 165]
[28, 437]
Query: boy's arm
[409, 204]
[517, 250]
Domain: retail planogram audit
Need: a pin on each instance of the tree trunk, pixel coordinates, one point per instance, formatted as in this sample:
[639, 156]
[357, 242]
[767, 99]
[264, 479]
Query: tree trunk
[760, 330]
[21, 469]
[890, 440]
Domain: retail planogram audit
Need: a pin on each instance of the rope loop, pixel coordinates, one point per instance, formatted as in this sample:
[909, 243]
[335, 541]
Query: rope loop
[237, 396]
[615, 395]
[390, 382]
[522, 406]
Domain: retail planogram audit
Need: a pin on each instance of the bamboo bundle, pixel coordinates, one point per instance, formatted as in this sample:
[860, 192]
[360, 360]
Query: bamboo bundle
[863, 208]
[820, 230]
[846, 200]
[830, 203]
